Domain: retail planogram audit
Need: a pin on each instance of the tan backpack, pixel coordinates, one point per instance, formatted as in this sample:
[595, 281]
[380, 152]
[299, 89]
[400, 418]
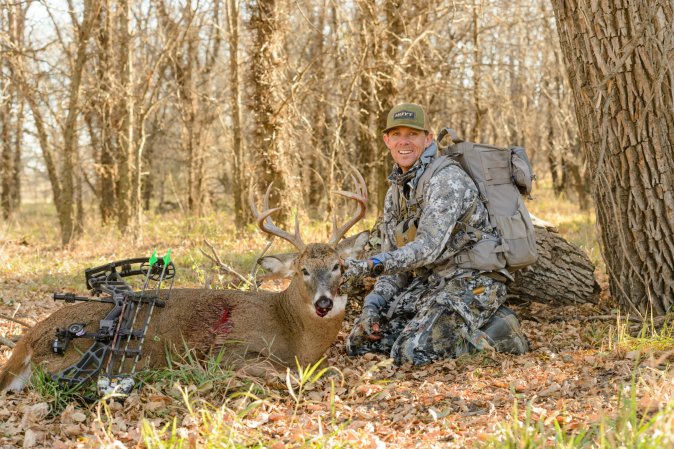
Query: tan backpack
[503, 176]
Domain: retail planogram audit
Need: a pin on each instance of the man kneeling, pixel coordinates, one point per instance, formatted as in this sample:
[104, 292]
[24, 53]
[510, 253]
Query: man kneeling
[424, 307]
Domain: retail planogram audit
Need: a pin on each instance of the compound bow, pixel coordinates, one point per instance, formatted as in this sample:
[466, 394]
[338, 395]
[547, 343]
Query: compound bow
[117, 337]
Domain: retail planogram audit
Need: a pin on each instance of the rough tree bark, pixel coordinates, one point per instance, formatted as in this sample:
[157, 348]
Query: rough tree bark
[311, 161]
[266, 78]
[619, 56]
[101, 119]
[386, 88]
[12, 25]
[366, 146]
[126, 111]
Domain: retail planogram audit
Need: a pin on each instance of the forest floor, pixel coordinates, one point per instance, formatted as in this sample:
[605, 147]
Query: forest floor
[587, 382]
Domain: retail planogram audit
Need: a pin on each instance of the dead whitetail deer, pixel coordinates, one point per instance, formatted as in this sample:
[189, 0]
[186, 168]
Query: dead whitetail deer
[257, 330]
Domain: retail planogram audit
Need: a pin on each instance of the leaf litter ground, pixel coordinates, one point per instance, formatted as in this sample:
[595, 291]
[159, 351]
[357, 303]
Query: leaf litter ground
[572, 378]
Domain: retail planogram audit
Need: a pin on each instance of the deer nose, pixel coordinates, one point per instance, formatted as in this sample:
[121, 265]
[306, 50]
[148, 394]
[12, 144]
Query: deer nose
[323, 305]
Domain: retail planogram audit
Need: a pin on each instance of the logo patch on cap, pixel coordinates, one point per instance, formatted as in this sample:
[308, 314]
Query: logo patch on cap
[404, 115]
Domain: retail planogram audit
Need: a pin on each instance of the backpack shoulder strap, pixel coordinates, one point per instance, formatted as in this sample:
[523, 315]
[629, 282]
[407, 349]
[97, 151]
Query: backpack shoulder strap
[438, 164]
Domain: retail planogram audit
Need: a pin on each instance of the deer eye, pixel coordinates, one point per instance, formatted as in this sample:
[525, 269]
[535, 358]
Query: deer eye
[336, 267]
[305, 272]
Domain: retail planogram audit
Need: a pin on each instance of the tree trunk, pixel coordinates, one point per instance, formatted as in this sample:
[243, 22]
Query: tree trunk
[476, 134]
[386, 91]
[267, 83]
[619, 56]
[366, 146]
[6, 161]
[126, 111]
[311, 163]
[66, 209]
[15, 200]
[12, 21]
[102, 118]
[241, 214]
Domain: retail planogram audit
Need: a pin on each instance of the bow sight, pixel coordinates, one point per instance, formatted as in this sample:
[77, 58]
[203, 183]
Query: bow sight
[118, 343]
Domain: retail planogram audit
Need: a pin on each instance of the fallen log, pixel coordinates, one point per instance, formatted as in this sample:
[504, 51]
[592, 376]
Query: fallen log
[563, 273]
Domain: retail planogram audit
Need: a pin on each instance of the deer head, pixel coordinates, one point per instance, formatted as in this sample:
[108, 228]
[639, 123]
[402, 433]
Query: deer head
[316, 270]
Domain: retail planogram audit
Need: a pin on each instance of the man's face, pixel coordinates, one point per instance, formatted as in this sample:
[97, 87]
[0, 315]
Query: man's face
[407, 145]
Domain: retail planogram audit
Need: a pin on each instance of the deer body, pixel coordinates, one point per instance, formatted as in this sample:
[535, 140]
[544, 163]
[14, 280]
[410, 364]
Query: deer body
[249, 327]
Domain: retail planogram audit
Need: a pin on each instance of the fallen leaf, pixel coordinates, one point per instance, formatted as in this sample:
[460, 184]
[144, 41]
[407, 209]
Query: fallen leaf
[553, 388]
[71, 430]
[34, 414]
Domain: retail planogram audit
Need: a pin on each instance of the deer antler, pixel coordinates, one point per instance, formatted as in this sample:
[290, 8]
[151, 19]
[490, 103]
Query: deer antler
[360, 196]
[265, 224]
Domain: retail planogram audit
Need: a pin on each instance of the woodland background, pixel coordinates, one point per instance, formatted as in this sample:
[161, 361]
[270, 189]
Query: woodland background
[130, 125]
[126, 106]
[123, 106]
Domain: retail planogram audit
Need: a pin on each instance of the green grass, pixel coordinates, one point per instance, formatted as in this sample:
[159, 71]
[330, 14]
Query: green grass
[210, 378]
[629, 428]
[229, 425]
[647, 339]
[57, 396]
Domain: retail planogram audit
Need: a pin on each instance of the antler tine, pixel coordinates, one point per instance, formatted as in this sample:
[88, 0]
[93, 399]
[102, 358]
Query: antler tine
[360, 196]
[265, 223]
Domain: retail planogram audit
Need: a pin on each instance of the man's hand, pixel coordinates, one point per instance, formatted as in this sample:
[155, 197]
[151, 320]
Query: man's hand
[367, 325]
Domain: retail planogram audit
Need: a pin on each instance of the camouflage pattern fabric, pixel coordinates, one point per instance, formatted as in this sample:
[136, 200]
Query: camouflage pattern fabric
[433, 319]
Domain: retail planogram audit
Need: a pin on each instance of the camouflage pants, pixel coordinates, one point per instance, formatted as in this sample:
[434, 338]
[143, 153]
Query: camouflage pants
[433, 319]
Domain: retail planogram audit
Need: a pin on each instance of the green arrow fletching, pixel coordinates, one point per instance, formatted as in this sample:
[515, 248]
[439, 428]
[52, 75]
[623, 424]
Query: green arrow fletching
[153, 259]
[167, 257]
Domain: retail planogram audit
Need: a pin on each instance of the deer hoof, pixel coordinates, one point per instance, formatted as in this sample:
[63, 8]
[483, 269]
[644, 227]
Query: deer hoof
[323, 306]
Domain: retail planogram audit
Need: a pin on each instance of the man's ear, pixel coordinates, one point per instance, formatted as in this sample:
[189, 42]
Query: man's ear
[386, 141]
[351, 247]
[280, 265]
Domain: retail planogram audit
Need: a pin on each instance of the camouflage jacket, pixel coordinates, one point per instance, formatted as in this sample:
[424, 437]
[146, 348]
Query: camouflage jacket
[450, 195]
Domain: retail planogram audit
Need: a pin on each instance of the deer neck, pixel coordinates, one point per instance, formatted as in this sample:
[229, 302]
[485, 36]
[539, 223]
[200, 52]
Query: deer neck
[310, 335]
[288, 310]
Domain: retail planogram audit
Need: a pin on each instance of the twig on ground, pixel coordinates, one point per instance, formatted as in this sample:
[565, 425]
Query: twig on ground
[7, 342]
[215, 258]
[9, 318]
[657, 321]
[631, 319]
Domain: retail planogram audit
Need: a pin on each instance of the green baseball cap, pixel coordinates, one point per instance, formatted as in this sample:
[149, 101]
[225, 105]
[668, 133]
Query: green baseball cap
[407, 114]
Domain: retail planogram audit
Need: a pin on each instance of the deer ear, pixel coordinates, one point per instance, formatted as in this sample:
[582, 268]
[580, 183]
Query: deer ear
[351, 247]
[281, 265]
